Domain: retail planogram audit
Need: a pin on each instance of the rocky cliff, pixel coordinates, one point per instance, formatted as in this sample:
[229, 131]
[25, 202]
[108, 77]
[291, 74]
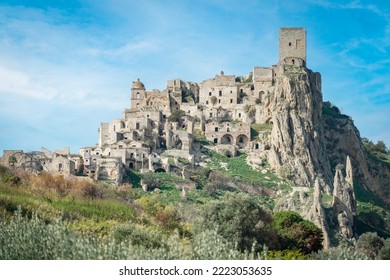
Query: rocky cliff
[342, 138]
[310, 144]
[297, 138]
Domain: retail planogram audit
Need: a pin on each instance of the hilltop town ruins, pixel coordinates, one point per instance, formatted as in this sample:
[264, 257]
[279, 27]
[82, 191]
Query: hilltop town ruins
[165, 124]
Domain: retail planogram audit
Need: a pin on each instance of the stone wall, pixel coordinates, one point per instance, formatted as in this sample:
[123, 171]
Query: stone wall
[228, 133]
[292, 43]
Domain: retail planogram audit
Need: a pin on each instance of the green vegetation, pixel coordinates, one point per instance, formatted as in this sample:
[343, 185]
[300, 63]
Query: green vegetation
[372, 218]
[34, 239]
[184, 161]
[241, 220]
[290, 70]
[326, 200]
[256, 128]
[296, 233]
[201, 138]
[250, 110]
[378, 153]
[329, 109]
[46, 222]
[50, 217]
[238, 169]
[176, 116]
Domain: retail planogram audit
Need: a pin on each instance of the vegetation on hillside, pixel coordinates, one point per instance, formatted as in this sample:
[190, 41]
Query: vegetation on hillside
[80, 219]
[229, 215]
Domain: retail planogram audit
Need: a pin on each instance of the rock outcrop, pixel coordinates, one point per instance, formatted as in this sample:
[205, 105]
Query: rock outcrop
[344, 202]
[317, 214]
[300, 149]
[342, 138]
[110, 169]
[297, 134]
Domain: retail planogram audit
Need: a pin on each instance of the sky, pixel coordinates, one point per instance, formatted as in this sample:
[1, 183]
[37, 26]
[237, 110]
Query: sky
[67, 65]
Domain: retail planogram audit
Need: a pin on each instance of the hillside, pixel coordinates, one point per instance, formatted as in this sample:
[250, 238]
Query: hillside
[110, 222]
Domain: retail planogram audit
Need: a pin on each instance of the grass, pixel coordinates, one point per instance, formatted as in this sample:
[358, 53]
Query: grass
[11, 197]
[238, 169]
[372, 218]
[327, 200]
[256, 128]
[69, 207]
[366, 196]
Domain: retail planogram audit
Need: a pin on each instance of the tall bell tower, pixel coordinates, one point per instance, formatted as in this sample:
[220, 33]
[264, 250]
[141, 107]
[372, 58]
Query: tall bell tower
[138, 95]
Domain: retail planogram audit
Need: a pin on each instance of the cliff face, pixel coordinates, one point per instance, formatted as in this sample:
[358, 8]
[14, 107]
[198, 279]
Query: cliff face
[308, 140]
[342, 138]
[297, 142]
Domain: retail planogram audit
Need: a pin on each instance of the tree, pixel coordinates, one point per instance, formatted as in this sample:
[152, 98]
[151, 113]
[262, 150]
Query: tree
[297, 233]
[370, 244]
[152, 180]
[239, 219]
[384, 253]
[380, 146]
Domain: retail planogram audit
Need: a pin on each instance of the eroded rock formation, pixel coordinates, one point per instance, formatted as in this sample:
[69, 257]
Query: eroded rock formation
[297, 134]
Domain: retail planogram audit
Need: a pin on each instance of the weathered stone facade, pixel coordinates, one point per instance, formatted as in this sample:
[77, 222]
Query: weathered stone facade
[59, 162]
[161, 123]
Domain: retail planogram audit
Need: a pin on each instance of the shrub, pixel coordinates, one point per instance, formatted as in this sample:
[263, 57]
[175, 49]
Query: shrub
[286, 255]
[35, 239]
[209, 245]
[138, 235]
[239, 219]
[338, 253]
[220, 181]
[7, 176]
[151, 204]
[250, 110]
[168, 219]
[124, 191]
[384, 253]
[369, 244]
[92, 191]
[297, 233]
[152, 180]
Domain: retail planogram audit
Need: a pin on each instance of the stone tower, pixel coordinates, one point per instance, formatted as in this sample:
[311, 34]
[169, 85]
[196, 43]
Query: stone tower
[138, 95]
[292, 46]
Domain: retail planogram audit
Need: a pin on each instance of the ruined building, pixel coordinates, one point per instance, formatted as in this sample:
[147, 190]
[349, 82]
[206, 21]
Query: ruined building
[161, 123]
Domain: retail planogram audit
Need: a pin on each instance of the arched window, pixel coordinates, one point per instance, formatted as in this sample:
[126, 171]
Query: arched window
[138, 96]
[261, 94]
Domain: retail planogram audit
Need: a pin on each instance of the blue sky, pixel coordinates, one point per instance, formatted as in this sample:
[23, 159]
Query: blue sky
[66, 66]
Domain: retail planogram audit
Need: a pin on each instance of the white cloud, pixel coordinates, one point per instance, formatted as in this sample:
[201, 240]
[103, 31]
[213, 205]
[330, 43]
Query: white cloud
[12, 80]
